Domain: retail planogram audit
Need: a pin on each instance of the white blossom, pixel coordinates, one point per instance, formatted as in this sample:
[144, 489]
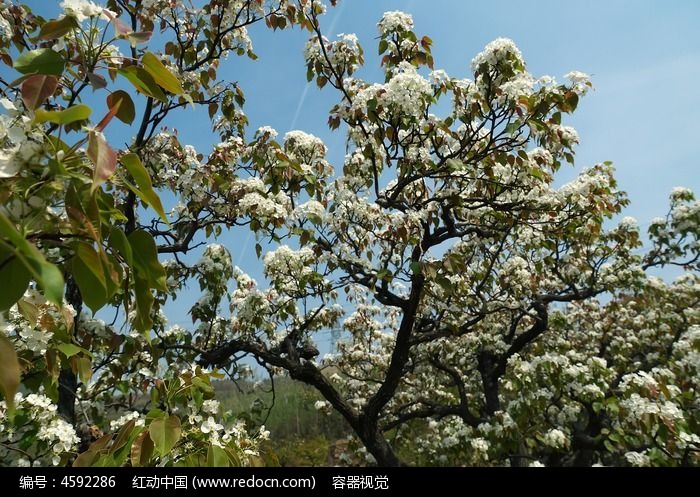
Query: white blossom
[395, 21]
[81, 9]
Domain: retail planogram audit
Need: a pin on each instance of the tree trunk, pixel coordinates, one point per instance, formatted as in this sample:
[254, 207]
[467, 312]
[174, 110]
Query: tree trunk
[67, 379]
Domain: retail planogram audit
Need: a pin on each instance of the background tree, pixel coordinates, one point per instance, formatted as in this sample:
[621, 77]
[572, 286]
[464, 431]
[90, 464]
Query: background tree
[465, 279]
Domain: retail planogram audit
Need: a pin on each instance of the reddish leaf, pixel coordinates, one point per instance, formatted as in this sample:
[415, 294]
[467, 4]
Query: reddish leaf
[108, 117]
[37, 88]
[139, 37]
[124, 31]
[102, 156]
[141, 449]
[213, 107]
[96, 80]
[120, 28]
[124, 105]
[86, 459]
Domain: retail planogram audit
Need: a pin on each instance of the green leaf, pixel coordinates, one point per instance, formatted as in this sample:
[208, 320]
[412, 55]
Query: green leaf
[143, 180]
[69, 349]
[144, 304]
[89, 275]
[122, 436]
[73, 113]
[161, 74]
[383, 45]
[126, 111]
[416, 267]
[47, 275]
[119, 242]
[165, 433]
[217, 457]
[9, 372]
[84, 365]
[445, 283]
[15, 278]
[454, 165]
[143, 82]
[86, 459]
[536, 172]
[141, 450]
[40, 61]
[57, 28]
[146, 259]
[37, 88]
[102, 156]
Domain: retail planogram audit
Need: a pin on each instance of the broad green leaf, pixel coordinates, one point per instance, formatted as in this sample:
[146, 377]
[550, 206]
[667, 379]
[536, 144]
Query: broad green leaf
[143, 181]
[9, 372]
[15, 278]
[114, 274]
[84, 366]
[146, 259]
[161, 74]
[217, 457]
[69, 349]
[119, 242]
[37, 88]
[47, 275]
[165, 433]
[73, 113]
[454, 165]
[102, 156]
[126, 111]
[57, 28]
[40, 61]
[144, 304]
[445, 283]
[537, 173]
[143, 82]
[122, 436]
[86, 459]
[89, 275]
[141, 450]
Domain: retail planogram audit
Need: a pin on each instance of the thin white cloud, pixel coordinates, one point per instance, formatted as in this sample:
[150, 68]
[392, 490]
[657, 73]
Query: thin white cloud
[305, 91]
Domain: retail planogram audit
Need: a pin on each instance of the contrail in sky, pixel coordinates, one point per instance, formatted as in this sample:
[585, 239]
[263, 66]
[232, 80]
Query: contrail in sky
[305, 92]
[295, 118]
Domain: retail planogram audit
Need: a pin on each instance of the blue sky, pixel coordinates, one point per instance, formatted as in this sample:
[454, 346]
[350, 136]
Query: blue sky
[644, 57]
